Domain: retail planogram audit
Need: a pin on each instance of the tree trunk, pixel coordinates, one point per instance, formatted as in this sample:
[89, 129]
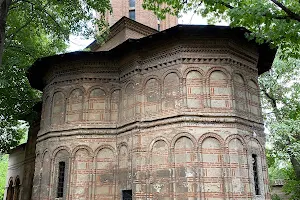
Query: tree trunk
[4, 5]
[296, 166]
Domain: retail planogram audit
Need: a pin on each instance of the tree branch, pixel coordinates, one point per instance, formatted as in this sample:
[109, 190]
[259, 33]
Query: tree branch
[290, 13]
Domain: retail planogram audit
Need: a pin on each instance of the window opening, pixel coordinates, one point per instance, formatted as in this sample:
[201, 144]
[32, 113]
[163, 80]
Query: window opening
[126, 194]
[10, 191]
[61, 179]
[255, 174]
[17, 188]
[132, 9]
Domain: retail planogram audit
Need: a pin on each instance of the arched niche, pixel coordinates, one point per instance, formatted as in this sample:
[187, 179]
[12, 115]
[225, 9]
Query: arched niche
[152, 96]
[171, 92]
[160, 173]
[211, 162]
[220, 91]
[81, 174]
[58, 109]
[105, 174]
[254, 101]
[194, 90]
[75, 106]
[240, 93]
[115, 105]
[184, 172]
[97, 105]
[129, 101]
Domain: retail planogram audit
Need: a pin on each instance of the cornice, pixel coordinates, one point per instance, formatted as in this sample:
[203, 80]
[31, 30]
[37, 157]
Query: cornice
[137, 125]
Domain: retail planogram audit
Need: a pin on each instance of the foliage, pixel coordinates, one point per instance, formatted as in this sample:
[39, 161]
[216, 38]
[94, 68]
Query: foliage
[34, 29]
[3, 171]
[274, 21]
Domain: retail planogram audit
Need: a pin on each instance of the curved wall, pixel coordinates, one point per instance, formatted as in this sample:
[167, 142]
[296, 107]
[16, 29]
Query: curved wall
[169, 123]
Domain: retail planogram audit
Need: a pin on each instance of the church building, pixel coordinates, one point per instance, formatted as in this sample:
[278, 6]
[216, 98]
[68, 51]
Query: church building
[159, 111]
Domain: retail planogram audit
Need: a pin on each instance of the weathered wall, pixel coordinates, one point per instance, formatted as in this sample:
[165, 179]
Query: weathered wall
[174, 122]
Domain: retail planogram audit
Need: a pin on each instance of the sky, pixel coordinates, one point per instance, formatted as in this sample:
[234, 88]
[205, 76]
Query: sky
[79, 43]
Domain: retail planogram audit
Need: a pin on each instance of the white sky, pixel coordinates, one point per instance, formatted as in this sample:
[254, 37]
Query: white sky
[78, 43]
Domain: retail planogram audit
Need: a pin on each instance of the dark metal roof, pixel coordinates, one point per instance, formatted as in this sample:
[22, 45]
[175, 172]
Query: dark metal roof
[42, 65]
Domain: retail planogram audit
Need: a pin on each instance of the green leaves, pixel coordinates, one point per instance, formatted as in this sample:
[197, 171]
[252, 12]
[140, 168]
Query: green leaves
[34, 29]
[267, 20]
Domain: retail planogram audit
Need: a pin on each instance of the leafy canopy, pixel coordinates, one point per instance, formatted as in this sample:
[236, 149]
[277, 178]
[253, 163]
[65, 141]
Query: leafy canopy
[35, 29]
[274, 21]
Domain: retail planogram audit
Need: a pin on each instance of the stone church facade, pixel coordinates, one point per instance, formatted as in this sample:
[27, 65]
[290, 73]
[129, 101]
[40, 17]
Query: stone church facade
[167, 115]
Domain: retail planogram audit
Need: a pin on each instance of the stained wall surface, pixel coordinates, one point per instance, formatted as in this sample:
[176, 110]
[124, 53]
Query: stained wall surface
[176, 121]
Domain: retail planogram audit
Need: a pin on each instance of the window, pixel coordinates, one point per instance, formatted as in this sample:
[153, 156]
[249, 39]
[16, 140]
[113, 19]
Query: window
[61, 179]
[255, 174]
[132, 9]
[10, 191]
[17, 189]
[126, 194]
[132, 14]
[131, 3]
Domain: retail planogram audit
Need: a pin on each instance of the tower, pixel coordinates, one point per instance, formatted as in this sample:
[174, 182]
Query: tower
[169, 116]
[133, 9]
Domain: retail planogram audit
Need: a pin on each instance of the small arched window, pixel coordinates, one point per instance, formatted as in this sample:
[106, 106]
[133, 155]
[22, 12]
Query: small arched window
[61, 179]
[10, 190]
[17, 189]
[132, 9]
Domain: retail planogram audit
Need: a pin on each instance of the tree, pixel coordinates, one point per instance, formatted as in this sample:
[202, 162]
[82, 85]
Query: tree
[57, 18]
[273, 21]
[281, 93]
[30, 29]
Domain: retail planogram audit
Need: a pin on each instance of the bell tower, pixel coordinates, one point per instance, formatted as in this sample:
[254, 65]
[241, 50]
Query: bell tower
[134, 10]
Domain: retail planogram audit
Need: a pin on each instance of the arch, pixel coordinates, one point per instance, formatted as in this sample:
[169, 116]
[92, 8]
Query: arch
[10, 189]
[235, 136]
[105, 172]
[82, 168]
[105, 146]
[81, 88]
[129, 100]
[184, 134]
[195, 89]
[240, 94]
[115, 99]
[75, 105]
[184, 156]
[211, 159]
[171, 91]
[151, 77]
[17, 188]
[212, 135]
[219, 90]
[189, 69]
[151, 96]
[212, 69]
[95, 87]
[56, 150]
[156, 139]
[166, 73]
[160, 169]
[58, 108]
[45, 174]
[254, 101]
[97, 100]
[89, 149]
[45, 118]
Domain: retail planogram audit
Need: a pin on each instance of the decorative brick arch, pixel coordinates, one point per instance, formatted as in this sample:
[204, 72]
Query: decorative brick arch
[190, 69]
[88, 92]
[178, 73]
[211, 135]
[222, 69]
[180, 135]
[105, 146]
[79, 147]
[145, 81]
[150, 146]
[81, 88]
[55, 151]
[235, 136]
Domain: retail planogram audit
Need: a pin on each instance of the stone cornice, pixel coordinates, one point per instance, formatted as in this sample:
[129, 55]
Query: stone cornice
[139, 125]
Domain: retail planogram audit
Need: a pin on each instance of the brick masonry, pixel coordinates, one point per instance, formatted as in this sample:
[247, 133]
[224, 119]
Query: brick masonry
[175, 121]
